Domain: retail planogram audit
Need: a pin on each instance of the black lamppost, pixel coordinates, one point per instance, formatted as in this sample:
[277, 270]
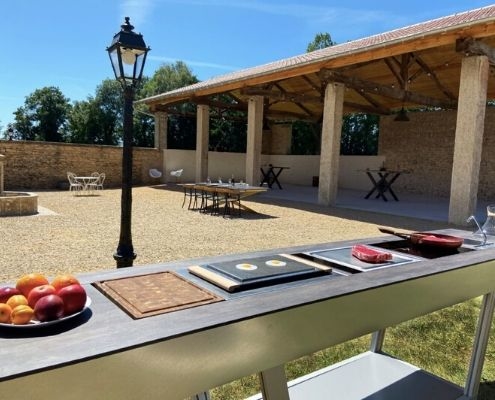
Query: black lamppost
[128, 55]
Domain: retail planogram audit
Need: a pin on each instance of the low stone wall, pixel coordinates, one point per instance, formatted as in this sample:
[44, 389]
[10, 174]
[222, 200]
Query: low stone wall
[17, 204]
[43, 166]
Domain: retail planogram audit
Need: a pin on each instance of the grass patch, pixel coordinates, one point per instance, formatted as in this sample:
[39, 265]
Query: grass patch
[439, 343]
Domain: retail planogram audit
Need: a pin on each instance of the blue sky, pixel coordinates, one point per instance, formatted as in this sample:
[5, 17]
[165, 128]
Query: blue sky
[63, 43]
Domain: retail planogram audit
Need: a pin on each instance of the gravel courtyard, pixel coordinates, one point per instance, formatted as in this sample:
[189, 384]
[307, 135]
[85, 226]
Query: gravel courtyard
[80, 233]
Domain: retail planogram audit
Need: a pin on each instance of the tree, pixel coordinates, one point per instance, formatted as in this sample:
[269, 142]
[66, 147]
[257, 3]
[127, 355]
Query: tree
[321, 41]
[359, 134]
[43, 116]
[181, 127]
[98, 120]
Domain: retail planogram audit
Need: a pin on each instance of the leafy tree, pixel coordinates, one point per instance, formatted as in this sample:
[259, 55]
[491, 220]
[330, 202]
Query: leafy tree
[43, 116]
[321, 41]
[98, 120]
[359, 134]
[181, 127]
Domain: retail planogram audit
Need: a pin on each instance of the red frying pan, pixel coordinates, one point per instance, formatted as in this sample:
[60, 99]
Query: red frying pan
[428, 238]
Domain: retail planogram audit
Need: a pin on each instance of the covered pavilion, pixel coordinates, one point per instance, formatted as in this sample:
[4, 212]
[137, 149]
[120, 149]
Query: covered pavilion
[446, 64]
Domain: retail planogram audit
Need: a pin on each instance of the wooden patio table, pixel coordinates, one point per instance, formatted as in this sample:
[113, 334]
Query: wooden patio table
[106, 354]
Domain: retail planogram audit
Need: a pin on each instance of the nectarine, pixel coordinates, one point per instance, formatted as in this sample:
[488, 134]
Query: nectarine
[74, 298]
[49, 308]
[7, 292]
[38, 292]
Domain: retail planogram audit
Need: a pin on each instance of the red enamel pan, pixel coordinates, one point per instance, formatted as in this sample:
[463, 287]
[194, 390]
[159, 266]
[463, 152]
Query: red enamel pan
[428, 238]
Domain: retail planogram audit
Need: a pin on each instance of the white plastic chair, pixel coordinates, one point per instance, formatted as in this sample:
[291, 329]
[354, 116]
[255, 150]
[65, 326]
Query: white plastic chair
[154, 173]
[177, 173]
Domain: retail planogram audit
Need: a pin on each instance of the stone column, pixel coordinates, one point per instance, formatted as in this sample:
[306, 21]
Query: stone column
[161, 129]
[254, 140]
[202, 140]
[1, 173]
[468, 138]
[330, 143]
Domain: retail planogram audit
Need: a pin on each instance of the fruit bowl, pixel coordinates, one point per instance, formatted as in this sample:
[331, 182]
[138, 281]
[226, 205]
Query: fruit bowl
[37, 324]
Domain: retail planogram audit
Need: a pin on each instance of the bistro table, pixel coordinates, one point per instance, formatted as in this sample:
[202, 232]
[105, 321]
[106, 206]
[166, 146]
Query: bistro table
[382, 180]
[107, 354]
[88, 182]
[270, 175]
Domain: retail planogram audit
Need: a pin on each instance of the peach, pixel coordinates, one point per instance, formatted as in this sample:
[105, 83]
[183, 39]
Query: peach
[61, 281]
[5, 312]
[30, 281]
[21, 315]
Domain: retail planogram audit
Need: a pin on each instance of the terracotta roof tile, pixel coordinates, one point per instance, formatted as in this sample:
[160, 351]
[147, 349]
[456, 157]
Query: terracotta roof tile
[387, 38]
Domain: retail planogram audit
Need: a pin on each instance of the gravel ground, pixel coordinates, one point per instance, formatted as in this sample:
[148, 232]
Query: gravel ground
[80, 233]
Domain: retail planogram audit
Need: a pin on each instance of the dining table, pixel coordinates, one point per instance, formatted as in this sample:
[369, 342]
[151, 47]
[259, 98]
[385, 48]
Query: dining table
[382, 180]
[270, 175]
[88, 182]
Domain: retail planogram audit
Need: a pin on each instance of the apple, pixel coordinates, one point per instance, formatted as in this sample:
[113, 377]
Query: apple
[74, 298]
[38, 292]
[49, 308]
[6, 292]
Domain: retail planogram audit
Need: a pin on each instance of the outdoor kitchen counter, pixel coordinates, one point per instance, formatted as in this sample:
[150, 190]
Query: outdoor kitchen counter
[178, 354]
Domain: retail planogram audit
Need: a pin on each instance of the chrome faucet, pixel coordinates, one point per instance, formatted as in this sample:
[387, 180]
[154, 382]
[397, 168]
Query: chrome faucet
[473, 218]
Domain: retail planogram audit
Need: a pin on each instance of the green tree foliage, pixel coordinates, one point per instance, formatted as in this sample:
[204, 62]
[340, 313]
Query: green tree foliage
[98, 120]
[321, 41]
[181, 124]
[359, 134]
[43, 116]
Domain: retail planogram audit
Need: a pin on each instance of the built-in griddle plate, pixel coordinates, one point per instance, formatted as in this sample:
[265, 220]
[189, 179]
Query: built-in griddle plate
[255, 272]
[342, 257]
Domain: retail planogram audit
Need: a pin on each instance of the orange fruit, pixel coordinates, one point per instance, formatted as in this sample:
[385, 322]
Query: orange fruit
[63, 280]
[5, 311]
[30, 281]
[17, 300]
[21, 315]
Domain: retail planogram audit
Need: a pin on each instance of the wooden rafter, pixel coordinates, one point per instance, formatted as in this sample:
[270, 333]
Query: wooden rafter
[386, 91]
[433, 76]
[282, 96]
[470, 46]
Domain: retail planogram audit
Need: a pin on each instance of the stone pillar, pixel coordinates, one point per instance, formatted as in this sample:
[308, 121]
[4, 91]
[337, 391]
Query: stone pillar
[1, 173]
[468, 138]
[202, 140]
[330, 143]
[161, 120]
[254, 140]
[160, 140]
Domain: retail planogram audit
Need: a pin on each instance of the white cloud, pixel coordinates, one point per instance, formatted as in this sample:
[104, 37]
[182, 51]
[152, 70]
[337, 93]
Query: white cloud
[137, 10]
[193, 63]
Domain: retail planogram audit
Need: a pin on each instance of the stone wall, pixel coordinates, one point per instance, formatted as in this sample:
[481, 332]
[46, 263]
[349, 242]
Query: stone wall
[43, 166]
[425, 146]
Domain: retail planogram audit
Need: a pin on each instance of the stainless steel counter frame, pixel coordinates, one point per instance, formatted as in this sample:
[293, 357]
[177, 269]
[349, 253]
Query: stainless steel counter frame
[106, 354]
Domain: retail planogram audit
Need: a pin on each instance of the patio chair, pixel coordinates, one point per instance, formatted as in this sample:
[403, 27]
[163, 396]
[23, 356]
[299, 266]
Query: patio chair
[73, 183]
[154, 173]
[177, 173]
[99, 184]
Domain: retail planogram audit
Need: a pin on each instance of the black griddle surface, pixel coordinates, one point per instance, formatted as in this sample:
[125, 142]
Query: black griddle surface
[263, 272]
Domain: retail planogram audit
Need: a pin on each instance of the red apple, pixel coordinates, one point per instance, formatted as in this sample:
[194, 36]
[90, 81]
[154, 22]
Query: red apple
[48, 308]
[74, 297]
[6, 292]
[38, 292]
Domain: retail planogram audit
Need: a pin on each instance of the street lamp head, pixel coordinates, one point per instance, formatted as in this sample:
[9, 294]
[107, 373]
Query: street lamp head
[128, 55]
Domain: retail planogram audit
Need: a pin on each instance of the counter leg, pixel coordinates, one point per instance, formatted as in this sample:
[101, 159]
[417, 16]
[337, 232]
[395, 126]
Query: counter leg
[479, 346]
[274, 384]
[377, 339]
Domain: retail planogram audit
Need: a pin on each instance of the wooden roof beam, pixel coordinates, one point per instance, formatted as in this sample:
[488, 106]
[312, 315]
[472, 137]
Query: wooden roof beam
[386, 91]
[475, 47]
[433, 76]
[282, 96]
